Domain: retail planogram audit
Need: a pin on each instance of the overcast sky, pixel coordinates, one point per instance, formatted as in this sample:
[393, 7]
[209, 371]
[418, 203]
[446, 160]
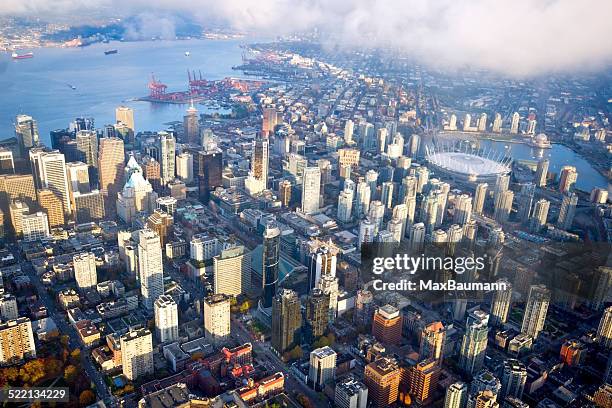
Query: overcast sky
[513, 37]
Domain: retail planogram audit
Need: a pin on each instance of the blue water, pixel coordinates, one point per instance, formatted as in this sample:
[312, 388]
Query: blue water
[559, 156]
[40, 86]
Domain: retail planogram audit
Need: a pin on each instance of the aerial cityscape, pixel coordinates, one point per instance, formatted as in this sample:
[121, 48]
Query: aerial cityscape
[211, 211]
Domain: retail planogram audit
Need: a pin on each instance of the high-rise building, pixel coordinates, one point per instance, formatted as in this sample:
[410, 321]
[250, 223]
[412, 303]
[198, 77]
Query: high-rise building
[166, 319]
[500, 305]
[286, 320]
[456, 395]
[424, 380]
[572, 352]
[382, 377]
[16, 187]
[16, 341]
[322, 367]
[137, 353]
[52, 205]
[364, 308]
[49, 168]
[345, 205]
[486, 399]
[467, 122]
[473, 347]
[26, 130]
[531, 127]
[525, 201]
[386, 194]
[85, 272]
[514, 125]
[232, 271]
[260, 162]
[539, 215]
[484, 381]
[167, 154]
[463, 209]
[367, 232]
[599, 195]
[7, 164]
[348, 132]
[78, 177]
[160, 222]
[217, 318]
[167, 204]
[503, 206]
[604, 330]
[87, 147]
[125, 115]
[284, 193]
[452, 122]
[350, 393]
[322, 260]
[151, 170]
[600, 284]
[270, 259]
[150, 267]
[417, 237]
[311, 190]
[208, 167]
[433, 339]
[88, 207]
[191, 126]
[541, 174]
[513, 378]
[405, 214]
[18, 209]
[330, 287]
[8, 307]
[35, 226]
[387, 325]
[567, 178]
[567, 211]
[270, 120]
[110, 169]
[317, 313]
[362, 198]
[377, 214]
[603, 396]
[184, 167]
[497, 123]
[535, 310]
[482, 122]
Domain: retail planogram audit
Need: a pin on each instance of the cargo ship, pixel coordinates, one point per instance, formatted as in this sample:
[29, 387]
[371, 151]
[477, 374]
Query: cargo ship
[22, 56]
[109, 52]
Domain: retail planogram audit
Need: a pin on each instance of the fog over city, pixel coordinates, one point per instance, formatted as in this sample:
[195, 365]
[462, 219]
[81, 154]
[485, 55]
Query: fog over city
[516, 38]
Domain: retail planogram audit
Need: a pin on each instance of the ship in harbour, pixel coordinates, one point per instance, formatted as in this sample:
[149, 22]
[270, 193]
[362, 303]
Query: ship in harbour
[26, 55]
[109, 52]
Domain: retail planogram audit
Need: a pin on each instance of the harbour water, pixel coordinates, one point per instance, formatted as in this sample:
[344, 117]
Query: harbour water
[559, 156]
[59, 84]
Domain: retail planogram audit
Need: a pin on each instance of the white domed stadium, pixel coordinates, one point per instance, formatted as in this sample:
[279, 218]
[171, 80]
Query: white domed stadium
[473, 165]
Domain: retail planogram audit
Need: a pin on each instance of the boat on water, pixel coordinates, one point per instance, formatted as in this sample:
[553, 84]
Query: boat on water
[72, 87]
[187, 53]
[109, 52]
[16, 55]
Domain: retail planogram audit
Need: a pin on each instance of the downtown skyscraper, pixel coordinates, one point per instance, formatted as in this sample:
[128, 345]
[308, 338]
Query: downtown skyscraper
[270, 259]
[150, 267]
